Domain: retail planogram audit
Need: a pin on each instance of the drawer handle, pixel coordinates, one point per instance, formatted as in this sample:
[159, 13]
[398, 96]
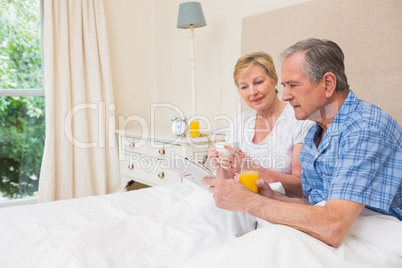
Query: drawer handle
[161, 175]
[131, 145]
[161, 151]
[131, 166]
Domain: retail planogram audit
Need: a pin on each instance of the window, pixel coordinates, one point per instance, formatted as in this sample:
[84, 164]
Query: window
[22, 101]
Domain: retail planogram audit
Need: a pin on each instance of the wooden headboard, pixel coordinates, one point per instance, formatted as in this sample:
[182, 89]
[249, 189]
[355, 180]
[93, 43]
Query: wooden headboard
[368, 31]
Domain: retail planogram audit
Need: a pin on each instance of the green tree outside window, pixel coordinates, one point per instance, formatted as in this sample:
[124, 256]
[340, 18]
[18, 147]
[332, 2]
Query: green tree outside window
[22, 118]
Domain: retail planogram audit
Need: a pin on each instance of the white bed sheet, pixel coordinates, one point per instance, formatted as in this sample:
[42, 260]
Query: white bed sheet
[178, 226]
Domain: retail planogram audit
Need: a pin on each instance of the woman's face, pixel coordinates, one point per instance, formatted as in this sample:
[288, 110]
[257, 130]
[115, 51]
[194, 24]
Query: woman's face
[256, 88]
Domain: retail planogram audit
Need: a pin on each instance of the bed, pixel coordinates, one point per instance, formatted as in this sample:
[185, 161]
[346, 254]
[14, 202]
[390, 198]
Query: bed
[178, 225]
[175, 226]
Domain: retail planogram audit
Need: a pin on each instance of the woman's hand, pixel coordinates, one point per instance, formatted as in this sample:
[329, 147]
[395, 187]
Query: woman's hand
[223, 160]
[236, 159]
[213, 155]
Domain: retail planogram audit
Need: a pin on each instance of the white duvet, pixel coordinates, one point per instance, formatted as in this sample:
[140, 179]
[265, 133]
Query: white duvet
[178, 226]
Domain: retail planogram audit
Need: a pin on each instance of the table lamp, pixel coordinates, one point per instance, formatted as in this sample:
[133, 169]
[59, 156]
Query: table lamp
[190, 17]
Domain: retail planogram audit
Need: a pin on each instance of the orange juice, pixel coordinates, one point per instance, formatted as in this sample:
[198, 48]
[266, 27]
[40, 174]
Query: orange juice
[248, 179]
[194, 129]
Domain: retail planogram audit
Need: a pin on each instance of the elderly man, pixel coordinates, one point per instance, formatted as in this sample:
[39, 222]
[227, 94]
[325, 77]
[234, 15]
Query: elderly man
[351, 159]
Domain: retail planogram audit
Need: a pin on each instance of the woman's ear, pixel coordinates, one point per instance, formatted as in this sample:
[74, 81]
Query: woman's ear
[330, 84]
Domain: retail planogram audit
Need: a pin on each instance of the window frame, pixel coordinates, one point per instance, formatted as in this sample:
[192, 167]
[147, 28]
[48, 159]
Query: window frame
[22, 92]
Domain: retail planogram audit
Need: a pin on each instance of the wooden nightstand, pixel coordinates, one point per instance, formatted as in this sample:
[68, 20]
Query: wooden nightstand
[145, 157]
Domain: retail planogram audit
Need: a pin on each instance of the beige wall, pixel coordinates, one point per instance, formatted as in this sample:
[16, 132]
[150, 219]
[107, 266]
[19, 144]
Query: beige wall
[150, 56]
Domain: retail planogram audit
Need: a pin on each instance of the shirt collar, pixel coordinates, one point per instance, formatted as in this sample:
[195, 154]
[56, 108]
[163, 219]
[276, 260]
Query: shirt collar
[347, 107]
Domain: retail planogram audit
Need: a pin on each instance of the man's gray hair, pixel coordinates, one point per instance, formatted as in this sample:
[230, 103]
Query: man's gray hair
[321, 56]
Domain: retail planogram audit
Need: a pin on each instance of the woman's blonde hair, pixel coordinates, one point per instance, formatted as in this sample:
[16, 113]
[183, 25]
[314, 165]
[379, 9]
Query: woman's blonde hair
[257, 58]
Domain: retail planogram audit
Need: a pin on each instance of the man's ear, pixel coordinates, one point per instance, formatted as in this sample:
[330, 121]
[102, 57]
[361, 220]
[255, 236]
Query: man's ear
[330, 84]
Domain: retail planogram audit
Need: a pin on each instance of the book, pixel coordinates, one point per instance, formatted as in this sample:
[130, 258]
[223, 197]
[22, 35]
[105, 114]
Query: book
[191, 170]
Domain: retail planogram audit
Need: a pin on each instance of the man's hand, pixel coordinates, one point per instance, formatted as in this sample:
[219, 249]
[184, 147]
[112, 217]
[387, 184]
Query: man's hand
[229, 194]
[264, 188]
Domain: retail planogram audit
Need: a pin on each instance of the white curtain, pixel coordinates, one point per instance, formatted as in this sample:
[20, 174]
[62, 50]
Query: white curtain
[80, 156]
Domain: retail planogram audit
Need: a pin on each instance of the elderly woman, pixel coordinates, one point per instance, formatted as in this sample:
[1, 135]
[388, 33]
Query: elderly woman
[269, 134]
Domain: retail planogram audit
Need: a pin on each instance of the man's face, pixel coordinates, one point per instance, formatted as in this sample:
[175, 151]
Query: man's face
[306, 98]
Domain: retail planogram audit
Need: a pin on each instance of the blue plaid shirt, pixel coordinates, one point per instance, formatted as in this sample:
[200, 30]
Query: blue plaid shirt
[359, 159]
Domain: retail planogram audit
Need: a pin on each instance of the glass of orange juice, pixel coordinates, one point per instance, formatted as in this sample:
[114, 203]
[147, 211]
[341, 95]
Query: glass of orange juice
[249, 174]
[194, 129]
